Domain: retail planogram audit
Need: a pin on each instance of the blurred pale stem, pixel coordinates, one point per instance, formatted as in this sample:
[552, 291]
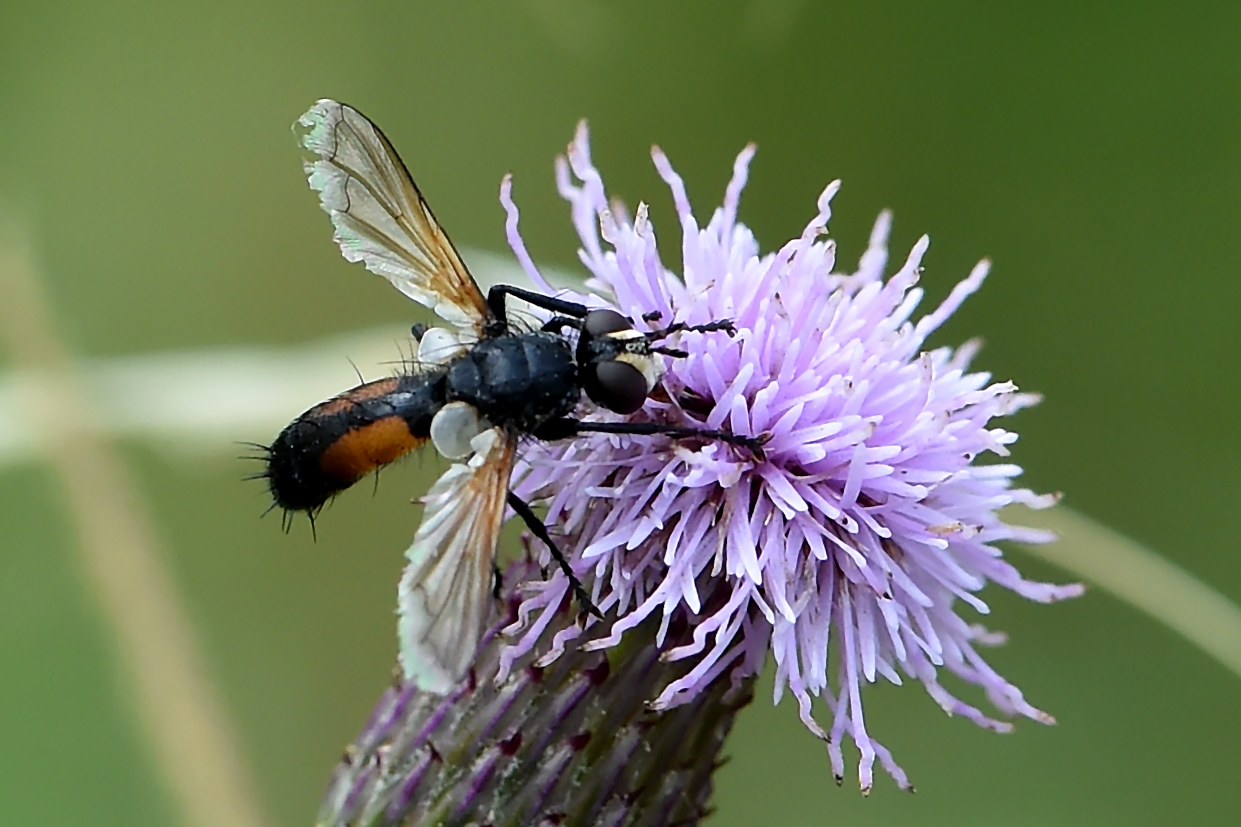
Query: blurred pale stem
[174, 700]
[1141, 578]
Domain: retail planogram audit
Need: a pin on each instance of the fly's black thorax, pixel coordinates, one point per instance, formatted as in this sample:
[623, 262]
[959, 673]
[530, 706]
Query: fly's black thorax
[519, 380]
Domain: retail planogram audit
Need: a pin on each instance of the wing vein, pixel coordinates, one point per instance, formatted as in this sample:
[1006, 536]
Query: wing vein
[444, 595]
[381, 218]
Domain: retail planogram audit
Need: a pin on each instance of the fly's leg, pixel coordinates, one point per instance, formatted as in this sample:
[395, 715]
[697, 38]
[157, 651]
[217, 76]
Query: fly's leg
[725, 325]
[496, 303]
[566, 427]
[532, 521]
[497, 579]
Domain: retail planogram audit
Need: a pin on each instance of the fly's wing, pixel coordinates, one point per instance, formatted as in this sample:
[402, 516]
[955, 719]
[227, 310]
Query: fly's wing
[446, 589]
[380, 216]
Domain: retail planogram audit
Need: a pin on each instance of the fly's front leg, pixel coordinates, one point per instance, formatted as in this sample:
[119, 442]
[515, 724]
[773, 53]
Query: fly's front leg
[565, 427]
[496, 302]
[725, 325]
[532, 521]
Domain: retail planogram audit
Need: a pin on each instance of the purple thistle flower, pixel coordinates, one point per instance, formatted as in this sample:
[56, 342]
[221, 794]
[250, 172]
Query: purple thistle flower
[868, 518]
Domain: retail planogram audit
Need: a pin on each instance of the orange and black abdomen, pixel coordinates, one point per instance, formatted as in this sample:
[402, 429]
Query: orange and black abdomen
[336, 443]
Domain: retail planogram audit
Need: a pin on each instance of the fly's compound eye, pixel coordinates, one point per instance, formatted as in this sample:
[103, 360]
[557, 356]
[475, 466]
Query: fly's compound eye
[618, 386]
[602, 322]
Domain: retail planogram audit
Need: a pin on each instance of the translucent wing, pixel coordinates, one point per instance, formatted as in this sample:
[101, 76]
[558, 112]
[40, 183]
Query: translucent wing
[445, 592]
[380, 216]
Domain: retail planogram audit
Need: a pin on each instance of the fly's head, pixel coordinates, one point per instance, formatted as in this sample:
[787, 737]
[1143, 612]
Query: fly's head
[616, 364]
[619, 366]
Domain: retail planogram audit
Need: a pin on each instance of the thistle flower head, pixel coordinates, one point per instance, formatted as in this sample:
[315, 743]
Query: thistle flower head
[572, 743]
[872, 515]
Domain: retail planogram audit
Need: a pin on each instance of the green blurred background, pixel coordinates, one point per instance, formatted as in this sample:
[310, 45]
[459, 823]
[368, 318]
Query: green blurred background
[1092, 150]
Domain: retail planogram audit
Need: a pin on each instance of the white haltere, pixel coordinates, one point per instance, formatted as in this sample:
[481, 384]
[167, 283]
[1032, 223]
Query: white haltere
[454, 427]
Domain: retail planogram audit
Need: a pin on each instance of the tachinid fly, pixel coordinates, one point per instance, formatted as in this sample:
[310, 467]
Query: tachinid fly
[474, 392]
